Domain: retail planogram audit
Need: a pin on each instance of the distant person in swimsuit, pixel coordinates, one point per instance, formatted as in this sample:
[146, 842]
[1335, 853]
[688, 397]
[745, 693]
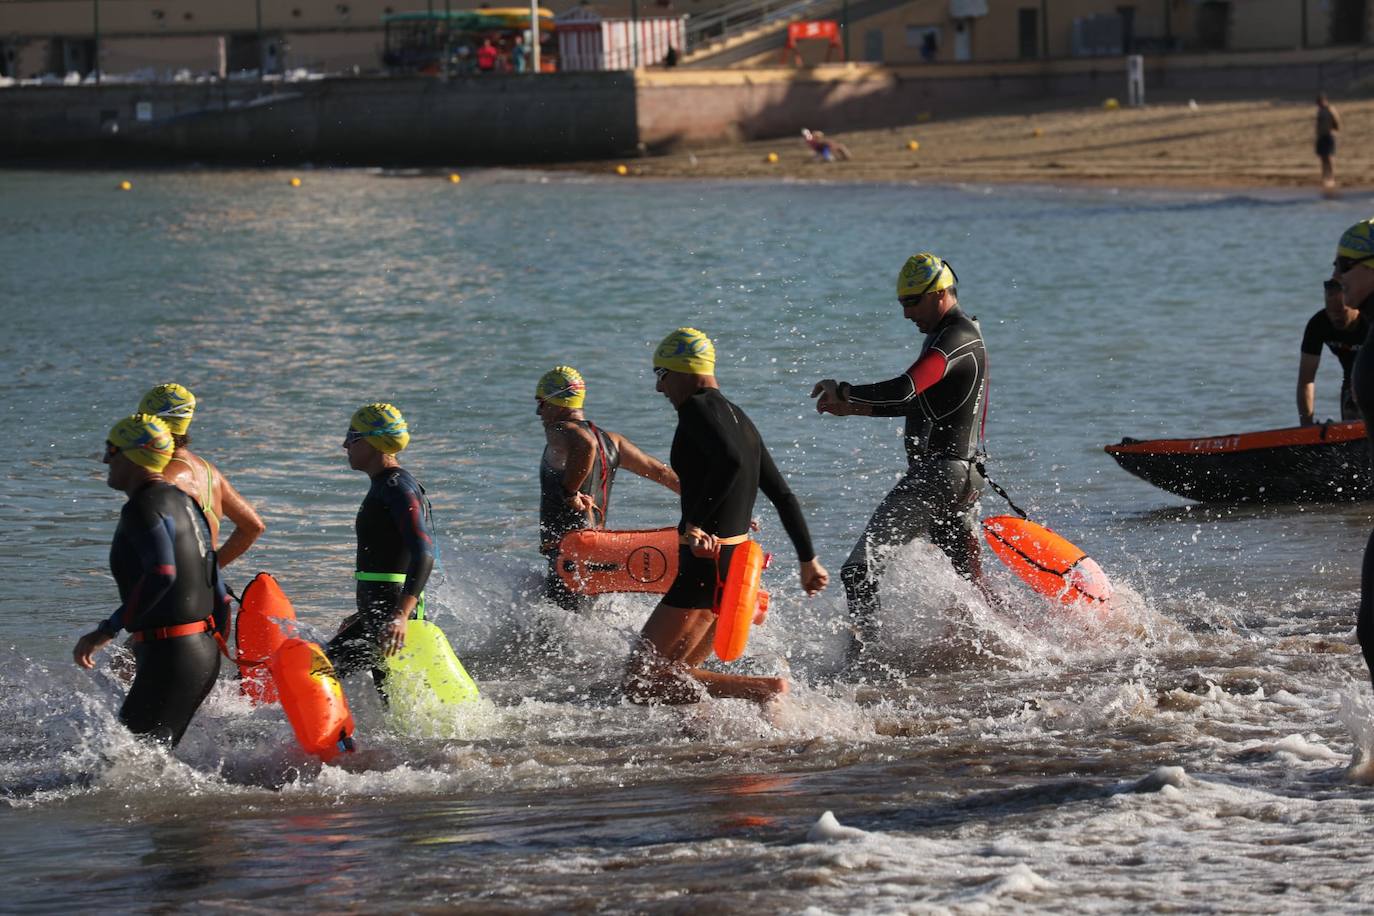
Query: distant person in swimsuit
[1341, 329]
[825, 149]
[941, 396]
[577, 471]
[172, 600]
[204, 482]
[722, 463]
[395, 545]
[1328, 122]
[1354, 270]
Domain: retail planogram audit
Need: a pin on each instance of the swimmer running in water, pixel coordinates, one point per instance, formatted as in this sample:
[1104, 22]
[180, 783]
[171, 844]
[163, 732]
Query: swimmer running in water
[395, 548]
[173, 602]
[1354, 270]
[941, 396]
[205, 483]
[722, 463]
[577, 471]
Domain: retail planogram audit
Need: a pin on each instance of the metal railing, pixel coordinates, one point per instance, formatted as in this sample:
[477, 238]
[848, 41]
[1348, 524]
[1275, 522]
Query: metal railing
[741, 16]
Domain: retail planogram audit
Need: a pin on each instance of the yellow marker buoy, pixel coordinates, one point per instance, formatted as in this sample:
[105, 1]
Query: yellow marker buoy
[772, 158]
[454, 178]
[126, 186]
[295, 182]
[1037, 132]
[622, 170]
[913, 145]
[1111, 104]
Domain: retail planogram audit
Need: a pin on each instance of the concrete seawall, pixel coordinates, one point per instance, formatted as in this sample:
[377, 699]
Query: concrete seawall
[561, 117]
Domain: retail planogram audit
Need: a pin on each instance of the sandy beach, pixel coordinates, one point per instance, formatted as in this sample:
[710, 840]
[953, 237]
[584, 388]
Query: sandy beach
[1180, 143]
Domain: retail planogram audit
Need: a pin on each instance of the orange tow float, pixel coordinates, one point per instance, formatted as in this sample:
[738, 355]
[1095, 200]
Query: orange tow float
[1049, 563]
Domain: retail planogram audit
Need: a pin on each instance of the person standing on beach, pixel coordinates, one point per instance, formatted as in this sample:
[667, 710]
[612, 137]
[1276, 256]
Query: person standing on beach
[722, 464]
[395, 549]
[577, 471]
[205, 483]
[1342, 329]
[1354, 270]
[942, 397]
[172, 599]
[1328, 122]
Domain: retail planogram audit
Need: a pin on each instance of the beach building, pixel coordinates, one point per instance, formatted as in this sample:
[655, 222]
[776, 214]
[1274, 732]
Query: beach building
[186, 39]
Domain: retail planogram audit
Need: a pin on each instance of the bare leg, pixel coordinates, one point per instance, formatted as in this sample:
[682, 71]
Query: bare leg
[676, 641]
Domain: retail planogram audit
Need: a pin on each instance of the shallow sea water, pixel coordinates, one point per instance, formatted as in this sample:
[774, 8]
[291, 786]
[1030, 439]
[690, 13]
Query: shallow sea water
[1191, 758]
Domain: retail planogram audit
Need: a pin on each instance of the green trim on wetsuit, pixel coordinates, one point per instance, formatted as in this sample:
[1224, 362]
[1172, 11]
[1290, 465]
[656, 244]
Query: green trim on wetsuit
[399, 579]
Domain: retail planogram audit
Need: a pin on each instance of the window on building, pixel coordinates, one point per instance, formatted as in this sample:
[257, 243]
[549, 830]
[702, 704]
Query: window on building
[1348, 22]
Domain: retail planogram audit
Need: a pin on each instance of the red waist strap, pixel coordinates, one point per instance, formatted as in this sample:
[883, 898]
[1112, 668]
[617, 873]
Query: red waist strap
[181, 629]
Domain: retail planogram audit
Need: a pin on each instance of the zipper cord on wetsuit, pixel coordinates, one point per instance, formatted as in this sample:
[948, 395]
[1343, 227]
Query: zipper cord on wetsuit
[981, 454]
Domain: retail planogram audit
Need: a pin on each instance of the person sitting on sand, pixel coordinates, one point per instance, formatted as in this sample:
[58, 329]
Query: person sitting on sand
[721, 463]
[825, 149]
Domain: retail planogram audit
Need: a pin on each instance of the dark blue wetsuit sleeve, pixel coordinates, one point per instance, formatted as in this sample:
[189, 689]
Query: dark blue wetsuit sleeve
[775, 487]
[724, 467]
[152, 539]
[407, 507]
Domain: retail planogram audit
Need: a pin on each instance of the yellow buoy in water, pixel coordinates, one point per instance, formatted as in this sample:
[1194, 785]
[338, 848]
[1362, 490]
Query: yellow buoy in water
[454, 178]
[913, 145]
[1037, 132]
[622, 170]
[1111, 104]
[295, 182]
[126, 185]
[772, 158]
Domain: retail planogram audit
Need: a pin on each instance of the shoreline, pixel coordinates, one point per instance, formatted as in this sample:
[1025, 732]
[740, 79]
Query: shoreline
[1198, 146]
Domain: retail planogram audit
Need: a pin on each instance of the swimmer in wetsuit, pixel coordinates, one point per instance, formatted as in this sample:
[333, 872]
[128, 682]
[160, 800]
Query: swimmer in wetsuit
[1341, 329]
[218, 499]
[173, 602]
[395, 548]
[1354, 270]
[722, 464]
[942, 396]
[577, 471]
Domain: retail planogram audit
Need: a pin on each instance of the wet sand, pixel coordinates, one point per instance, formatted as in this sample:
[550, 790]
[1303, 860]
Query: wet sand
[1254, 143]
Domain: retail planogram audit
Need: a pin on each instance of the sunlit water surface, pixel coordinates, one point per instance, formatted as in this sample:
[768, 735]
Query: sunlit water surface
[1192, 759]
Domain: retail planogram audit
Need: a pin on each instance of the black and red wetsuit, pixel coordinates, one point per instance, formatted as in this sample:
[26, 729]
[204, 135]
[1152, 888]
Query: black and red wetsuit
[722, 464]
[163, 561]
[942, 396]
[394, 541]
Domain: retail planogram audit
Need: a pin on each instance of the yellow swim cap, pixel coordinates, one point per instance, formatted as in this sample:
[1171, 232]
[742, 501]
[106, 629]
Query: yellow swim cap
[686, 350]
[563, 386]
[1357, 242]
[143, 439]
[173, 403]
[924, 273]
[384, 427]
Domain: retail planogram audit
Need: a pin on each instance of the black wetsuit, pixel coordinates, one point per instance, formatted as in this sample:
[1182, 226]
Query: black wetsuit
[557, 518]
[941, 396]
[163, 561]
[1362, 384]
[393, 528]
[1345, 344]
[722, 464]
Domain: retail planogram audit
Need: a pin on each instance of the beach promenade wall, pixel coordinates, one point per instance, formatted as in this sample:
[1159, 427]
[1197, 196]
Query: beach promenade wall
[567, 116]
[353, 121]
[708, 106]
